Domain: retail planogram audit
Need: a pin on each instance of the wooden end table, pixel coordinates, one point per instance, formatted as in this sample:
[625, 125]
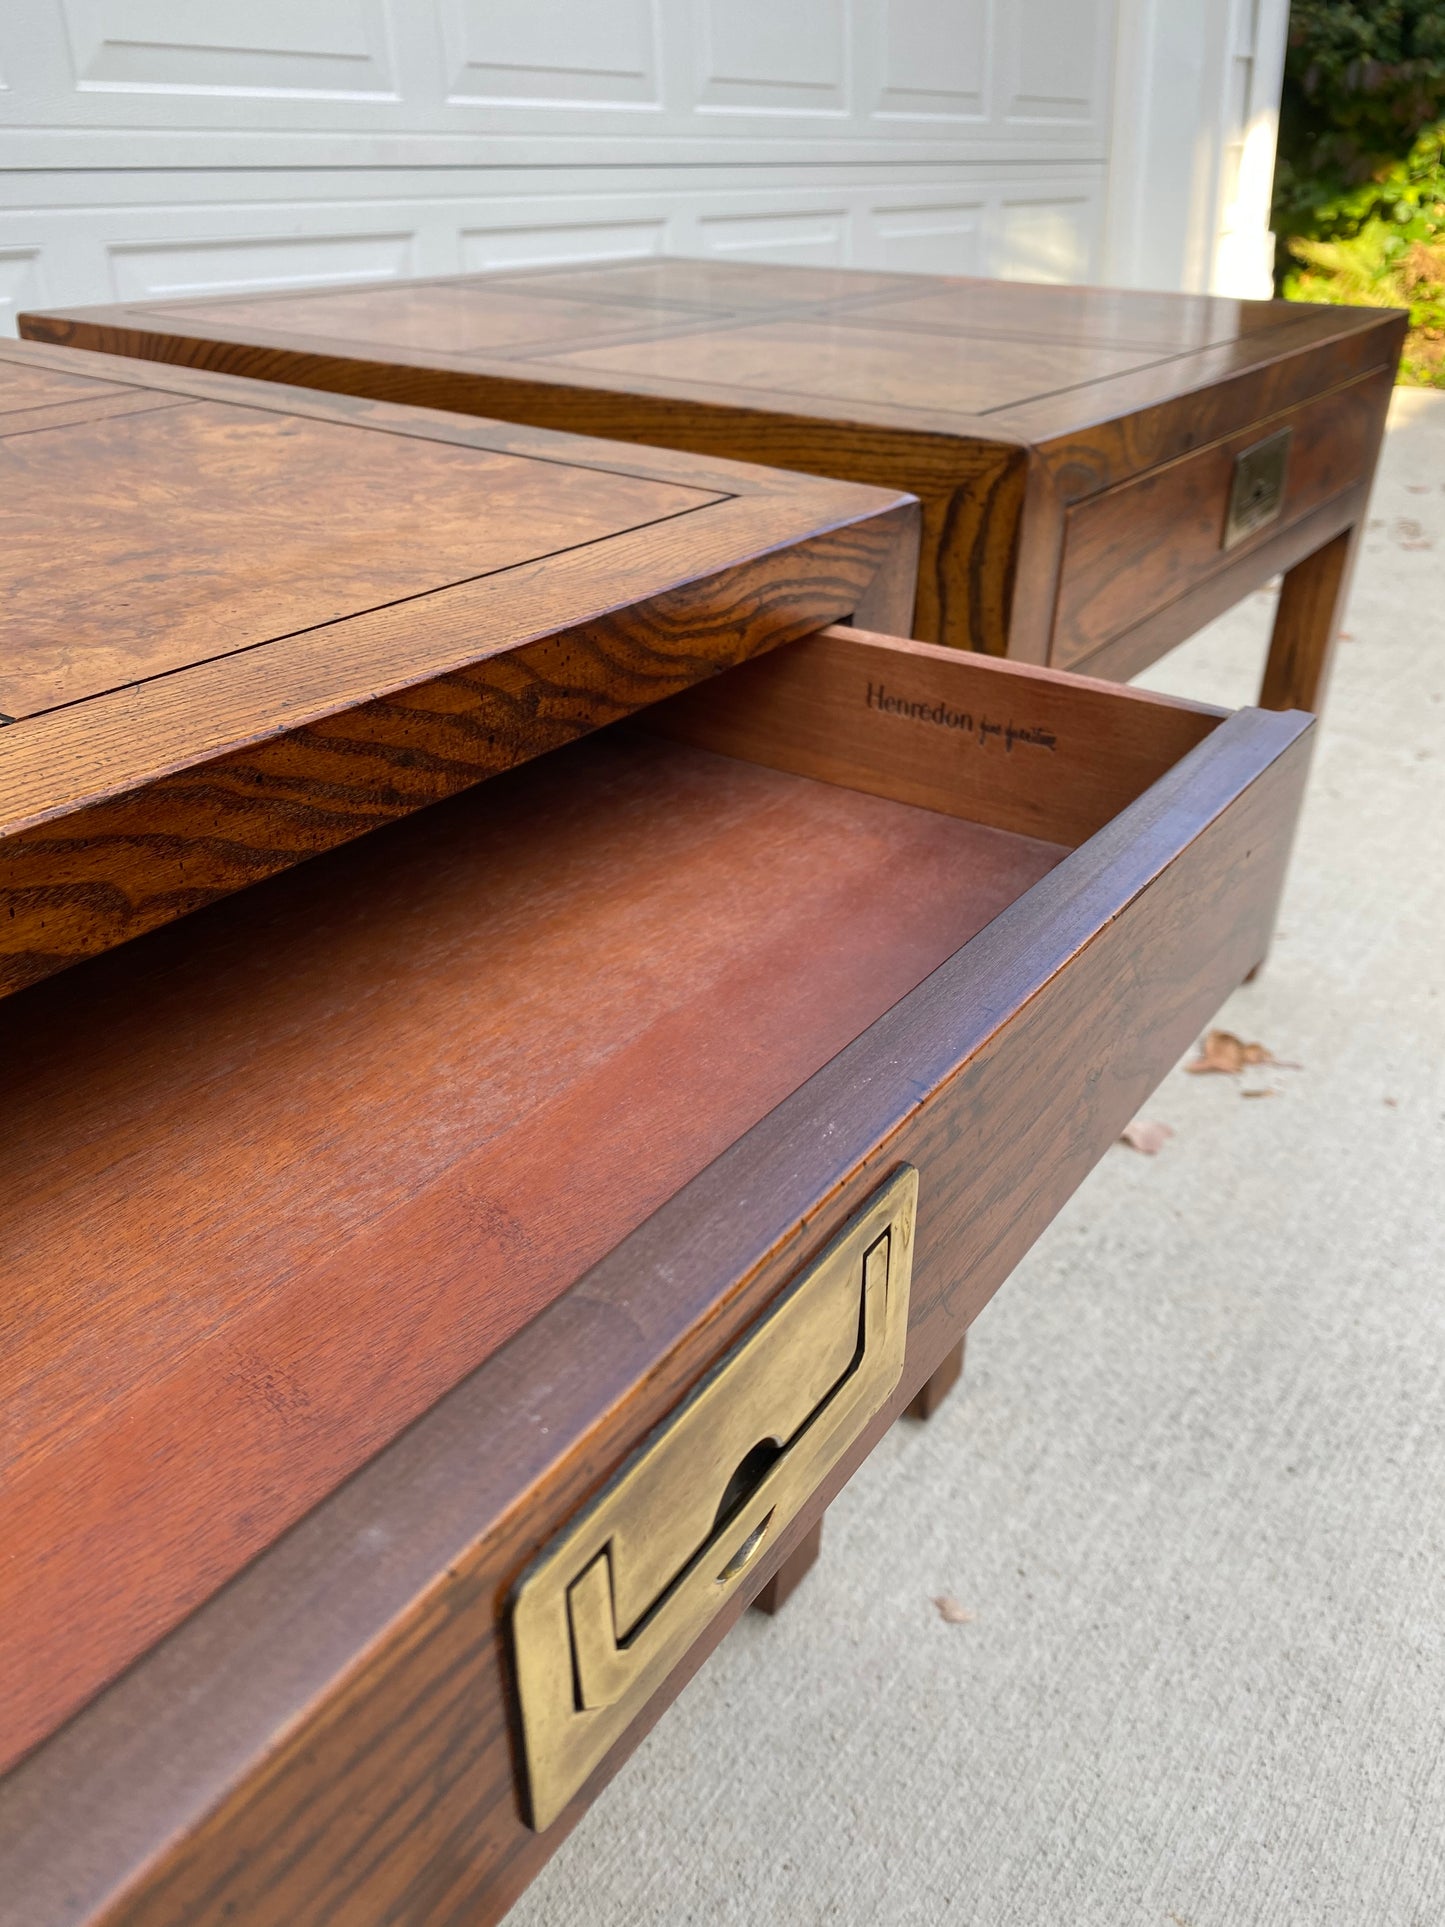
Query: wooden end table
[475, 1183]
[1101, 472]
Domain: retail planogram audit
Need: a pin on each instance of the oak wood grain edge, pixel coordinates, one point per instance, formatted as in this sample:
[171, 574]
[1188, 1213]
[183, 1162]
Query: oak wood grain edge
[1040, 557]
[1130, 429]
[886, 602]
[970, 476]
[79, 884]
[79, 754]
[329, 1737]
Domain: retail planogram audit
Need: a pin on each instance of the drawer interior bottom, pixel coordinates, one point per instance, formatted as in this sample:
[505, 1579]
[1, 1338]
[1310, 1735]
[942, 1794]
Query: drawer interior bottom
[278, 1175]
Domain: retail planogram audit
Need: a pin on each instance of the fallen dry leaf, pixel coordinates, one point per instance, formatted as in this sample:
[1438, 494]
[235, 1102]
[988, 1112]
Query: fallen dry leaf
[1265, 1090]
[1221, 1050]
[1146, 1134]
[951, 1612]
[1392, 1103]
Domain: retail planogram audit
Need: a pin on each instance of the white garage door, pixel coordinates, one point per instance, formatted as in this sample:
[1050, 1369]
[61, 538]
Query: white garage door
[164, 147]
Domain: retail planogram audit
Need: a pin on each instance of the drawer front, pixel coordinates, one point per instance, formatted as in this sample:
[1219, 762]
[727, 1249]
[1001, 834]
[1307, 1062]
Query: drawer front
[351, 1700]
[1132, 550]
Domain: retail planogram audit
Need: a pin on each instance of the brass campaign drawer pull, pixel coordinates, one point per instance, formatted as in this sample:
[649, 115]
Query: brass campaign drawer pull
[604, 1614]
[1256, 493]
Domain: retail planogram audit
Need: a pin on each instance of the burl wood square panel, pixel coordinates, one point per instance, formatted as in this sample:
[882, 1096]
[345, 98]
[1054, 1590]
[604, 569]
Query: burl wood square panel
[243, 625]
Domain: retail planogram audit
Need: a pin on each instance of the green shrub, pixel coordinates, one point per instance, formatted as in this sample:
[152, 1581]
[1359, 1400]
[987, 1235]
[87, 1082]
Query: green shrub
[1359, 194]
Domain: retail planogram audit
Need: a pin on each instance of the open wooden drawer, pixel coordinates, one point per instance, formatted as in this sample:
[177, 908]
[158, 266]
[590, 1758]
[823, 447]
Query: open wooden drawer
[363, 1224]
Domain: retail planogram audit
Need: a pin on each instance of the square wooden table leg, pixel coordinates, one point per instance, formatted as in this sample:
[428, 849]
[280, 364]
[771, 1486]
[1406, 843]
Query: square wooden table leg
[784, 1582]
[935, 1390]
[1311, 608]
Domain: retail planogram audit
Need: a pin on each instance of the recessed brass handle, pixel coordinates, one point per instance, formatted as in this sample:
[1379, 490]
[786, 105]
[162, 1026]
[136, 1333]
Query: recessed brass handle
[1256, 493]
[604, 1614]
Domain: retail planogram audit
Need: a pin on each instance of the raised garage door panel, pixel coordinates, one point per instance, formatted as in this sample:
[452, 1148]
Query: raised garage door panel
[928, 136]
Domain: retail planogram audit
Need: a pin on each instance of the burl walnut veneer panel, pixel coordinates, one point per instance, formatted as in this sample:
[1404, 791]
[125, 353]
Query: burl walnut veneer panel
[244, 624]
[1015, 412]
